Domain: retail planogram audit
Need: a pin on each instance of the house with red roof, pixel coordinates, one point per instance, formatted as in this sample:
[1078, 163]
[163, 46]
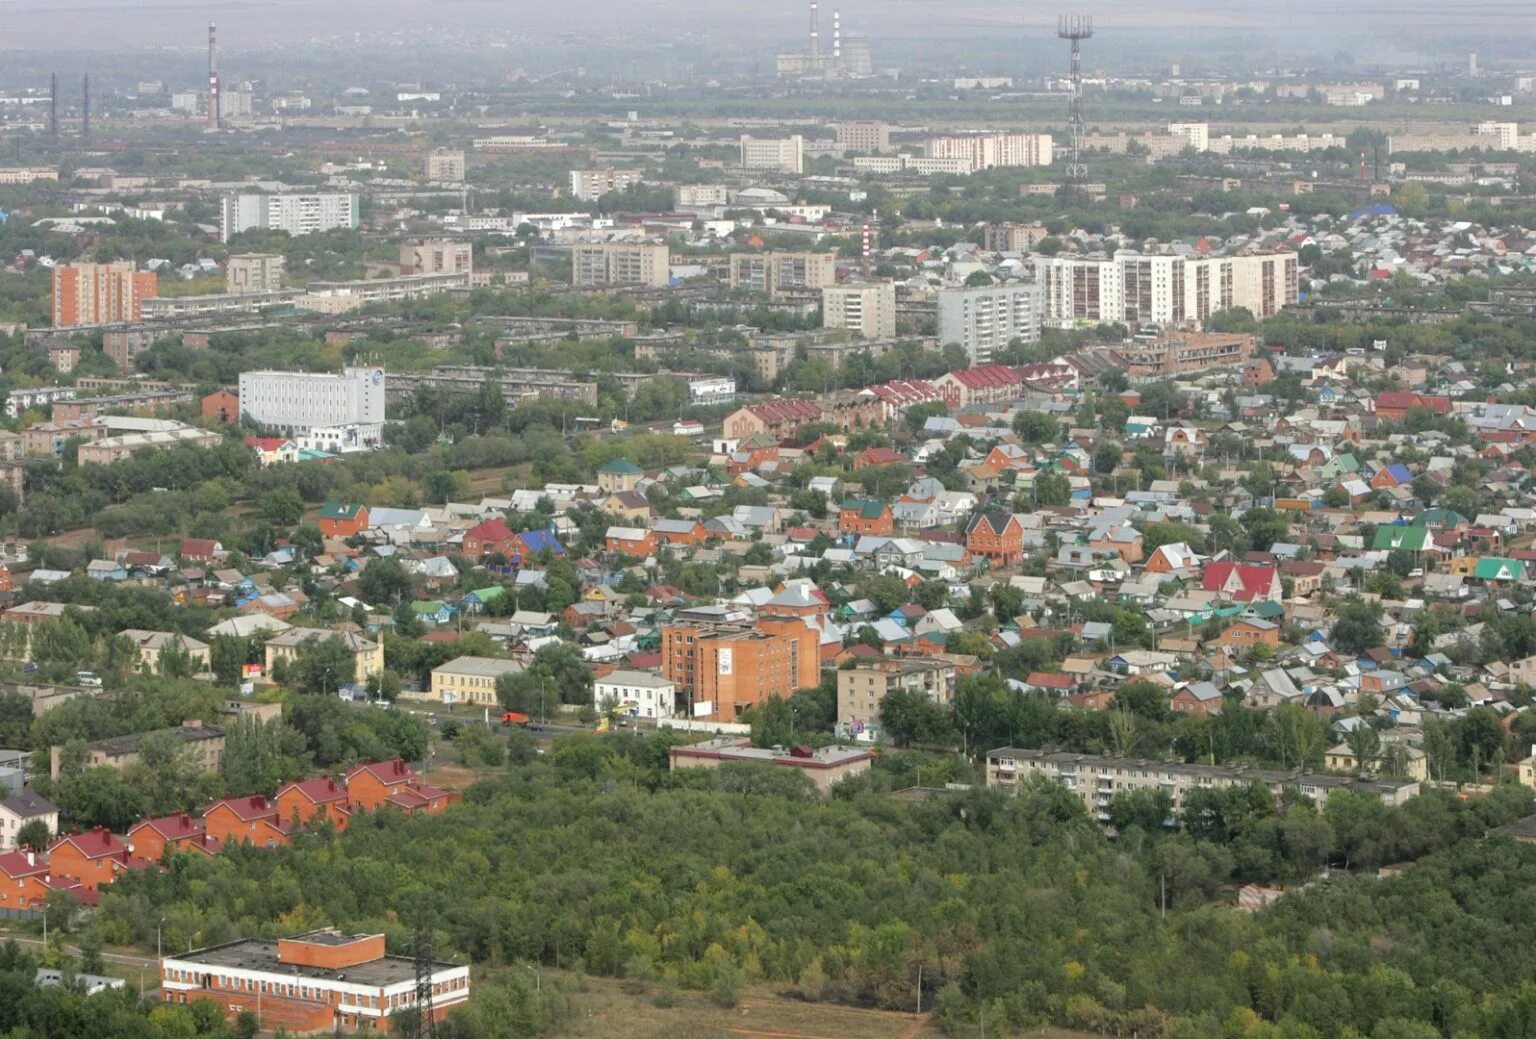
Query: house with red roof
[780, 419]
[1393, 405]
[301, 801]
[95, 858]
[1242, 582]
[200, 550]
[872, 457]
[151, 838]
[987, 384]
[23, 881]
[371, 784]
[487, 538]
[250, 820]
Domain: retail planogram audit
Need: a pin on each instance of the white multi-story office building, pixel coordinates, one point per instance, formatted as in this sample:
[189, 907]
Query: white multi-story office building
[867, 310]
[298, 214]
[984, 151]
[1136, 289]
[986, 319]
[346, 410]
[779, 155]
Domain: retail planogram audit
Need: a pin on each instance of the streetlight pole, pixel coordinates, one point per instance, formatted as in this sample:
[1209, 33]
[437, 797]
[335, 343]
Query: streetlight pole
[159, 950]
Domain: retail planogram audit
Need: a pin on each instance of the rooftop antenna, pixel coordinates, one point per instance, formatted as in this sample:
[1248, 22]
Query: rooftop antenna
[1075, 28]
[815, 36]
[213, 76]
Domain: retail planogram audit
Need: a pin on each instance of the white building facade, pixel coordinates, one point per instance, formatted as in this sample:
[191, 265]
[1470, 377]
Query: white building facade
[1136, 289]
[298, 214]
[985, 320]
[330, 412]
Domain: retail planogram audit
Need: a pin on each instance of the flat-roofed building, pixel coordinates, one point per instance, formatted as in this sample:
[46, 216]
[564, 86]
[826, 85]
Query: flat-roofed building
[1096, 780]
[777, 155]
[722, 669]
[323, 981]
[773, 273]
[621, 263]
[860, 689]
[985, 320]
[866, 310]
[254, 273]
[445, 166]
[591, 185]
[204, 742]
[868, 137]
[826, 766]
[1186, 353]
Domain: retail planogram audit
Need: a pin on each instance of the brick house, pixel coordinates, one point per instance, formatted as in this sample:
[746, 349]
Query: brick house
[150, 838]
[95, 858]
[299, 802]
[1245, 634]
[251, 820]
[865, 516]
[679, 532]
[373, 785]
[630, 541]
[995, 535]
[487, 538]
[343, 519]
[23, 881]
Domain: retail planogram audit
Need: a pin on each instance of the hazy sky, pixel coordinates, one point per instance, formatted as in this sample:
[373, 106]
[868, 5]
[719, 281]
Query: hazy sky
[1398, 29]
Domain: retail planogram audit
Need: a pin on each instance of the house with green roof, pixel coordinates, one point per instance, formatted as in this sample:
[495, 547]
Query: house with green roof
[1390, 538]
[1493, 568]
[618, 476]
[340, 519]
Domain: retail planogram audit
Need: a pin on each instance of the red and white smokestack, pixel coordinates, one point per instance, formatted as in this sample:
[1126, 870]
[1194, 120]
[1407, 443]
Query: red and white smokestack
[837, 36]
[213, 76]
[815, 35]
[867, 248]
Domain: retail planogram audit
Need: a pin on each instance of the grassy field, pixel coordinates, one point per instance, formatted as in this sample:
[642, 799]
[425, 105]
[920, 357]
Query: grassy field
[604, 1009]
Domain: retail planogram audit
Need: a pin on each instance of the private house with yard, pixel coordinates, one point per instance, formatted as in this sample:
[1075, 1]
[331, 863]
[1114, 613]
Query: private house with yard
[343, 519]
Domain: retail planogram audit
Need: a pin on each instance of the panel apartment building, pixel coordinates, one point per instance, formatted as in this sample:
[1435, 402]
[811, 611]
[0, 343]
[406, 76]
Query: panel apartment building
[860, 689]
[445, 166]
[100, 293]
[721, 669]
[985, 320]
[253, 273]
[620, 263]
[591, 185]
[867, 310]
[1096, 780]
[774, 273]
[1135, 289]
[298, 214]
[985, 151]
[347, 409]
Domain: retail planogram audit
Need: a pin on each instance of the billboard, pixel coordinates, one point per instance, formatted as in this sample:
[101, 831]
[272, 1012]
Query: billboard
[726, 660]
[703, 708]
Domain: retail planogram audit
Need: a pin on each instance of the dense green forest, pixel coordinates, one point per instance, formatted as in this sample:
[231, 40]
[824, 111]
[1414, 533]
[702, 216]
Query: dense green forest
[595, 858]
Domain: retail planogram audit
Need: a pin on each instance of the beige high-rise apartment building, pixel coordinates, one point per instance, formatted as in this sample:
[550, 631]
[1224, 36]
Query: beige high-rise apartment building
[779, 155]
[437, 256]
[1137, 289]
[445, 166]
[868, 137]
[773, 272]
[868, 310]
[253, 272]
[984, 151]
[591, 185]
[620, 263]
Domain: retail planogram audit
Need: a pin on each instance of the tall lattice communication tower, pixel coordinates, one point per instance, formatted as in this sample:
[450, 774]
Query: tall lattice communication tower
[1076, 28]
[425, 963]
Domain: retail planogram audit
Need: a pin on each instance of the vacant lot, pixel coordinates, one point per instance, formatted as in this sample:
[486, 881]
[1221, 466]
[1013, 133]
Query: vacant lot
[606, 1011]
